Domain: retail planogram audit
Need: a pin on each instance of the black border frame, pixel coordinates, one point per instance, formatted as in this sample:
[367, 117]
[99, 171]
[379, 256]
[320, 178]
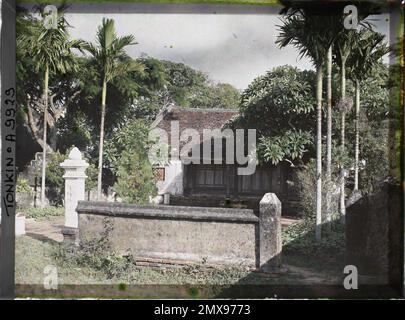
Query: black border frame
[8, 144]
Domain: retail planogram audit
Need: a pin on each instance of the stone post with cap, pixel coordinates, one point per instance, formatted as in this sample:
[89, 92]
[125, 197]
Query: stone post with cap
[75, 177]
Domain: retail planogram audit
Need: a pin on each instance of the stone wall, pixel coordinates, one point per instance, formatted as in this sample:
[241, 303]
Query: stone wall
[373, 234]
[189, 234]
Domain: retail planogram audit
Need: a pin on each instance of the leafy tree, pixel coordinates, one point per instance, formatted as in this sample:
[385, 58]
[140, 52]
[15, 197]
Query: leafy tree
[365, 56]
[280, 106]
[374, 120]
[190, 88]
[51, 51]
[127, 156]
[111, 62]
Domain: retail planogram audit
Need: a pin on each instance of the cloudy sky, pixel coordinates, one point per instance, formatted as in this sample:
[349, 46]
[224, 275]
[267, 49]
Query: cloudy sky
[229, 48]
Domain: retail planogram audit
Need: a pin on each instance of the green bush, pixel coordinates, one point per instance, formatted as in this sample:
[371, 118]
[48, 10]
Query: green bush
[127, 157]
[23, 186]
[91, 180]
[300, 237]
[306, 191]
[45, 212]
[97, 254]
[135, 178]
[55, 184]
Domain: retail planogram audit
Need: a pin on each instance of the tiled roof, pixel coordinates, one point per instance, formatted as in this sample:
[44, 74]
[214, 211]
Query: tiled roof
[189, 118]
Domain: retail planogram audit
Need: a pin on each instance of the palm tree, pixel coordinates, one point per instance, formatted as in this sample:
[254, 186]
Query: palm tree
[365, 56]
[344, 42]
[51, 49]
[329, 135]
[112, 61]
[312, 35]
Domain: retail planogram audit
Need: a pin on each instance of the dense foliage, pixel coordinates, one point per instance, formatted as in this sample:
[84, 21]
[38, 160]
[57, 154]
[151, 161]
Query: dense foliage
[127, 158]
[74, 105]
[280, 106]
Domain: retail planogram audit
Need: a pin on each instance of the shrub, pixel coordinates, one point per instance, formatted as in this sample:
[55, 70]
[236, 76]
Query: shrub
[127, 157]
[24, 193]
[23, 186]
[91, 180]
[135, 178]
[45, 212]
[97, 254]
[306, 192]
[55, 184]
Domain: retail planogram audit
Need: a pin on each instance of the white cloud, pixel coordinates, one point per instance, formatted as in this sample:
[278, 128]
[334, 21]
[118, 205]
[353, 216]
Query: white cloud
[230, 48]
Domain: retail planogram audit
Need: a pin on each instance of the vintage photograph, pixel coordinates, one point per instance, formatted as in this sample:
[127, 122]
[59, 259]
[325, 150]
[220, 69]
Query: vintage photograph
[222, 153]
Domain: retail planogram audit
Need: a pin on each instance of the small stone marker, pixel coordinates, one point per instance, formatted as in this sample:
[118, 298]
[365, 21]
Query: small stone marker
[75, 178]
[19, 225]
[270, 233]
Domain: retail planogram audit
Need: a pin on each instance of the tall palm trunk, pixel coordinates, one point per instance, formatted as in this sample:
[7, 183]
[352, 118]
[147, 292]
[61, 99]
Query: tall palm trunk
[100, 152]
[343, 141]
[46, 84]
[329, 137]
[356, 143]
[318, 229]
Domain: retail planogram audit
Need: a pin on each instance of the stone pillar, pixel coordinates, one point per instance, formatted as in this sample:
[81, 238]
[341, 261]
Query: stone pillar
[270, 244]
[75, 177]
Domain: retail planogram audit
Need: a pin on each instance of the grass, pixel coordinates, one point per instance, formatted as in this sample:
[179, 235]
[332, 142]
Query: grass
[304, 263]
[33, 255]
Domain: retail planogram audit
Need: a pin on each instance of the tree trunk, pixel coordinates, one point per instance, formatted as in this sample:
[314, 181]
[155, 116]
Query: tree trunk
[318, 230]
[53, 138]
[329, 138]
[356, 143]
[343, 138]
[100, 152]
[46, 83]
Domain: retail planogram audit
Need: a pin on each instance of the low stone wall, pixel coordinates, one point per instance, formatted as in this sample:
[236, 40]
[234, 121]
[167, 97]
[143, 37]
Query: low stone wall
[189, 234]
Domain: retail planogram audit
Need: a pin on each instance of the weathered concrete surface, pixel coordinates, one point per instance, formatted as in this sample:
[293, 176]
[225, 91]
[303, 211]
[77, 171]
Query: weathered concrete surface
[166, 212]
[225, 237]
[194, 234]
[373, 234]
[270, 232]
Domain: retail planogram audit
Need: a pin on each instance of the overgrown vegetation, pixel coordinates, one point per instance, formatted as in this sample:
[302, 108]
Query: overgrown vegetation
[46, 212]
[56, 183]
[23, 186]
[298, 238]
[95, 254]
[127, 157]
[280, 106]
[305, 189]
[55, 191]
